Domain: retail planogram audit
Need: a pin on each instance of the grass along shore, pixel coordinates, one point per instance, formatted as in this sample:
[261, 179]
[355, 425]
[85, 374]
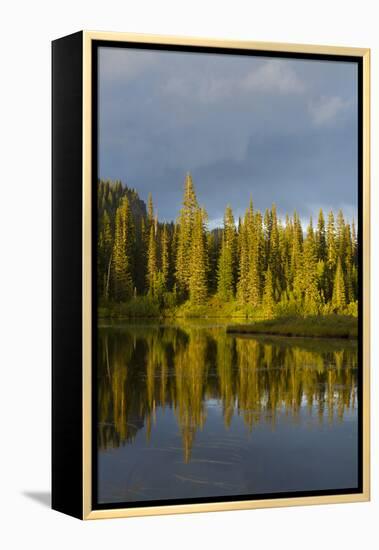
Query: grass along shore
[146, 307]
[327, 326]
[243, 319]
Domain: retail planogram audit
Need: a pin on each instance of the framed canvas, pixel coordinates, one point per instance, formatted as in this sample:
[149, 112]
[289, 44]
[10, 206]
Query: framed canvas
[210, 275]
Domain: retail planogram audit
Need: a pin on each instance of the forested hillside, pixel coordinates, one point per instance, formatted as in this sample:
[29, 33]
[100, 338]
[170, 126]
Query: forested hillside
[258, 265]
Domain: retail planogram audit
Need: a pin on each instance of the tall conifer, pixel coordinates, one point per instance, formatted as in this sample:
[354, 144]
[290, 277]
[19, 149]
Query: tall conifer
[320, 237]
[184, 236]
[165, 265]
[339, 296]
[244, 263]
[332, 254]
[312, 299]
[122, 251]
[198, 261]
[152, 262]
[225, 272]
[105, 249]
[268, 302]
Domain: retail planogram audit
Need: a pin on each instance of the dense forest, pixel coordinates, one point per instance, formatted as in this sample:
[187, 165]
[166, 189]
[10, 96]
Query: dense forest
[256, 266]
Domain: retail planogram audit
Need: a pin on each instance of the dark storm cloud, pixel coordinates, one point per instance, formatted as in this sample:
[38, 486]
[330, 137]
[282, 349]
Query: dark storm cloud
[276, 130]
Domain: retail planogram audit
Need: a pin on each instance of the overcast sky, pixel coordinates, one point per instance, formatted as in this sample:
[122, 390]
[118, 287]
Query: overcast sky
[278, 130]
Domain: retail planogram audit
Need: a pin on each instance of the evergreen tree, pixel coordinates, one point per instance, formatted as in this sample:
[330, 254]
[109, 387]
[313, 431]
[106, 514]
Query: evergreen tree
[198, 261]
[173, 254]
[274, 252]
[225, 273]
[348, 262]
[259, 249]
[256, 250]
[332, 254]
[268, 302]
[262, 263]
[285, 241]
[105, 246]
[231, 242]
[312, 298]
[339, 296]
[297, 260]
[354, 269]
[254, 291]
[340, 237]
[213, 248]
[354, 243]
[123, 245]
[321, 248]
[244, 264]
[152, 262]
[184, 236]
[267, 224]
[150, 211]
[165, 257]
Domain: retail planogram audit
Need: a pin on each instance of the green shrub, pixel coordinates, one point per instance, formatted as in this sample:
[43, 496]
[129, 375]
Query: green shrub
[140, 306]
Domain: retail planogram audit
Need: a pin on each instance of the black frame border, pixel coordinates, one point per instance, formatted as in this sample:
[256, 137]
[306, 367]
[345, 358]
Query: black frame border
[358, 60]
[67, 256]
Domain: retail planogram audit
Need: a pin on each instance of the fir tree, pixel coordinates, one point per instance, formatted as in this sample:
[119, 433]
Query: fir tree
[254, 291]
[267, 224]
[348, 271]
[262, 263]
[332, 254]
[165, 257]
[231, 242]
[256, 250]
[312, 299]
[105, 247]
[274, 260]
[225, 273]
[184, 236]
[150, 211]
[123, 245]
[259, 248]
[198, 261]
[244, 264]
[213, 248]
[297, 260]
[354, 243]
[340, 236]
[354, 269]
[285, 238]
[320, 237]
[339, 296]
[152, 262]
[268, 302]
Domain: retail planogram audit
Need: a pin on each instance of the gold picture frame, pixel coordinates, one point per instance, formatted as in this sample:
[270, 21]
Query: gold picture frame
[83, 45]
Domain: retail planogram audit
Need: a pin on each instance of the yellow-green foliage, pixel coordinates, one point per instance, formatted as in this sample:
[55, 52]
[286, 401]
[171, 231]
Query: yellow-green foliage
[259, 267]
[331, 326]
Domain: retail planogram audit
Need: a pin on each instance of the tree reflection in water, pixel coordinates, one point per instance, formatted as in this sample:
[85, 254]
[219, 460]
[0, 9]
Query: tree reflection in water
[145, 367]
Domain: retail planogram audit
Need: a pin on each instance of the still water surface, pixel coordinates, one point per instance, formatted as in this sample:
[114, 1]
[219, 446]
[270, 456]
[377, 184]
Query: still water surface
[187, 411]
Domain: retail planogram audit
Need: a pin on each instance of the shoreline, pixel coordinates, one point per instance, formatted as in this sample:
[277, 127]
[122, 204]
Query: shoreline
[233, 330]
[330, 326]
[327, 326]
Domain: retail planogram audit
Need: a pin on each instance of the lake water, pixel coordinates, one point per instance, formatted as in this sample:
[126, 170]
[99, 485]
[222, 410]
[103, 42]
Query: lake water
[187, 411]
